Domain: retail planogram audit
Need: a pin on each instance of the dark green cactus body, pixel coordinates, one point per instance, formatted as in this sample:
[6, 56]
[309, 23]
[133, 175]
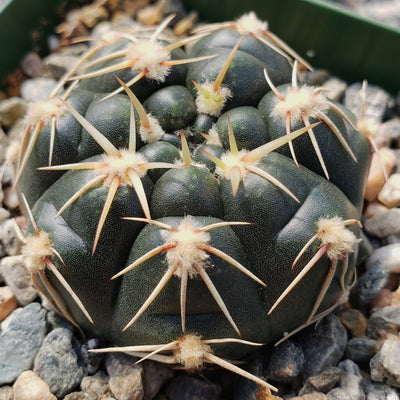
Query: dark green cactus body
[238, 258]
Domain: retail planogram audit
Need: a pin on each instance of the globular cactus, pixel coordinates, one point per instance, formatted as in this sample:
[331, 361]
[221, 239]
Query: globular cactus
[201, 202]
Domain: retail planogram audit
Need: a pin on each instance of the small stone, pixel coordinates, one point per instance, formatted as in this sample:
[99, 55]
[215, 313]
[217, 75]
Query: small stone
[317, 77]
[386, 319]
[55, 320]
[20, 342]
[390, 193]
[376, 178]
[384, 224]
[9, 238]
[379, 391]
[6, 322]
[91, 360]
[323, 382]
[371, 283]
[125, 378]
[59, 64]
[378, 101]
[95, 385]
[57, 362]
[351, 380]
[10, 200]
[29, 386]
[79, 396]
[387, 255]
[312, 396]
[6, 393]
[37, 89]
[335, 88]
[32, 65]
[323, 346]
[188, 387]
[286, 362]
[385, 364]
[246, 389]
[389, 133]
[16, 276]
[361, 349]
[4, 214]
[11, 109]
[154, 377]
[337, 394]
[7, 302]
[354, 321]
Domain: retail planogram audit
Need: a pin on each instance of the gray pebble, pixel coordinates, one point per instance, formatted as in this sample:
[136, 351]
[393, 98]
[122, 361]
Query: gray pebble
[361, 350]
[379, 391]
[384, 223]
[91, 360]
[11, 109]
[388, 256]
[378, 101]
[371, 283]
[79, 396]
[55, 320]
[9, 238]
[286, 362]
[37, 89]
[6, 321]
[59, 64]
[154, 377]
[57, 362]
[385, 364]
[21, 341]
[312, 396]
[188, 387]
[385, 319]
[19, 280]
[323, 382]
[125, 378]
[337, 394]
[335, 88]
[351, 380]
[323, 346]
[32, 65]
[245, 389]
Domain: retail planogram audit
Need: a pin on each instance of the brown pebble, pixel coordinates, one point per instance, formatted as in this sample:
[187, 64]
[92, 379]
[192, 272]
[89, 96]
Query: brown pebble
[8, 303]
[376, 177]
[390, 193]
[354, 321]
[383, 299]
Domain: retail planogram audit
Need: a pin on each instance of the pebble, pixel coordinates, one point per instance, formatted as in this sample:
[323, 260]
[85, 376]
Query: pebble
[385, 159]
[125, 378]
[10, 200]
[29, 386]
[79, 396]
[354, 321]
[378, 101]
[389, 133]
[21, 341]
[59, 64]
[351, 380]
[4, 215]
[386, 319]
[91, 360]
[384, 222]
[324, 346]
[37, 89]
[245, 389]
[286, 362]
[9, 238]
[57, 362]
[155, 375]
[11, 109]
[32, 65]
[361, 349]
[390, 193]
[16, 276]
[379, 391]
[323, 382]
[312, 396]
[95, 385]
[7, 302]
[189, 387]
[6, 393]
[387, 255]
[385, 364]
[335, 88]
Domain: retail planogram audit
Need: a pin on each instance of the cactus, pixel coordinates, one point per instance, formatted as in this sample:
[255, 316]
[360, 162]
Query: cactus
[192, 202]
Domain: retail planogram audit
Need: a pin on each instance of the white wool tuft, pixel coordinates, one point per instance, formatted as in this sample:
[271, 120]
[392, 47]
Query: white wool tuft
[44, 111]
[210, 101]
[192, 351]
[249, 23]
[152, 134]
[340, 240]
[36, 250]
